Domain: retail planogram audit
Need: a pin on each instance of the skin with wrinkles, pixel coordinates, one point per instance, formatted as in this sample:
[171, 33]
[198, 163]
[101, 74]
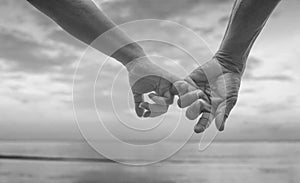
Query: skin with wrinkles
[85, 21]
[210, 90]
[247, 19]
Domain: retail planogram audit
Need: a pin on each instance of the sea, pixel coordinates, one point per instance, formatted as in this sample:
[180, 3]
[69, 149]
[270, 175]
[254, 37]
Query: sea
[221, 162]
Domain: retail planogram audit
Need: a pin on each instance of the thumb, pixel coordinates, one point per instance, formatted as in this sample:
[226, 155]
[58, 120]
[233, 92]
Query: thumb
[223, 112]
[138, 100]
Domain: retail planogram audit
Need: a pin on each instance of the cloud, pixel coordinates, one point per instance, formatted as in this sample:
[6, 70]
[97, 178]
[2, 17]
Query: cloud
[283, 104]
[279, 77]
[204, 30]
[247, 91]
[273, 107]
[224, 20]
[252, 64]
[31, 56]
[27, 47]
[203, 16]
[122, 10]
[136, 9]
[39, 18]
[63, 37]
[26, 19]
[37, 59]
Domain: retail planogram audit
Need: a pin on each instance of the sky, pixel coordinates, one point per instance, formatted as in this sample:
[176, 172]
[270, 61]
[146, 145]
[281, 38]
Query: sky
[38, 60]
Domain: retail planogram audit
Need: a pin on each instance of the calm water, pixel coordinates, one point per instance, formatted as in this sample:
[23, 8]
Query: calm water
[221, 162]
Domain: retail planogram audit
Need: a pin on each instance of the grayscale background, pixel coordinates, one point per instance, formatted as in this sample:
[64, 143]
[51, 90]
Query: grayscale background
[41, 142]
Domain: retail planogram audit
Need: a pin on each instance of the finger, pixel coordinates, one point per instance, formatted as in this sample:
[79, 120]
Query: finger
[157, 99]
[147, 114]
[220, 121]
[188, 98]
[169, 97]
[203, 122]
[223, 112]
[155, 114]
[152, 114]
[197, 108]
[166, 99]
[182, 87]
[190, 81]
[138, 99]
[154, 108]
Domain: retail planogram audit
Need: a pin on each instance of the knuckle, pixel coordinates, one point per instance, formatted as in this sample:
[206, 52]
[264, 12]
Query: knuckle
[200, 94]
[201, 102]
[190, 115]
[198, 103]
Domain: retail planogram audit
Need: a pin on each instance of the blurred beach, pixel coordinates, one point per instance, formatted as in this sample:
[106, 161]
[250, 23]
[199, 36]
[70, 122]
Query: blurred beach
[76, 162]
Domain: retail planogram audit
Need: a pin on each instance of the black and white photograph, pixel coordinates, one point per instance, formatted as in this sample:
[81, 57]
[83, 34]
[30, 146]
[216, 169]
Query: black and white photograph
[149, 91]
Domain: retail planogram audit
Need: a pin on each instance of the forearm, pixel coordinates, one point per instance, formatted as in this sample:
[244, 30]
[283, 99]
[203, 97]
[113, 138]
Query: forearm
[85, 21]
[248, 18]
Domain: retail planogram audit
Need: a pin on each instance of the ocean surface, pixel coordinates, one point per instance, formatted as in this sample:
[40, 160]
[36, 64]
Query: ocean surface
[77, 162]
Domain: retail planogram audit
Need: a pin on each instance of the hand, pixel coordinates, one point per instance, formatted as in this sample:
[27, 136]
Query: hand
[145, 77]
[220, 85]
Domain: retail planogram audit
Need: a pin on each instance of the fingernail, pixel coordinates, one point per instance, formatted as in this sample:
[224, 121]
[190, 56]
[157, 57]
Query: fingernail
[147, 114]
[199, 129]
[139, 111]
[144, 105]
[150, 95]
[222, 127]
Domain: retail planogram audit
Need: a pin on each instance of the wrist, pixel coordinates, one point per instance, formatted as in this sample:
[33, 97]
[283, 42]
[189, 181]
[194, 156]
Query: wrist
[230, 63]
[138, 63]
[129, 53]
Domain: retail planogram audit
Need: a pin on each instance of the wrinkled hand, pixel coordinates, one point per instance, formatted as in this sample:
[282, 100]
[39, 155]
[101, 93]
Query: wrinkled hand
[220, 85]
[145, 77]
